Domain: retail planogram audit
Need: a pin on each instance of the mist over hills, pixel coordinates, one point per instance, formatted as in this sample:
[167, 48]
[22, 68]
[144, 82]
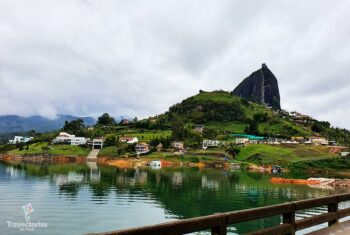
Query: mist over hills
[15, 123]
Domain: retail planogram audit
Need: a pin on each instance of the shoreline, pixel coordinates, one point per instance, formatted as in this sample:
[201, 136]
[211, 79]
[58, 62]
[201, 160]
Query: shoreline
[109, 161]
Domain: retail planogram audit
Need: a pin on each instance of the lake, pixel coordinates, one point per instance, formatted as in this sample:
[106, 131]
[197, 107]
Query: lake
[81, 198]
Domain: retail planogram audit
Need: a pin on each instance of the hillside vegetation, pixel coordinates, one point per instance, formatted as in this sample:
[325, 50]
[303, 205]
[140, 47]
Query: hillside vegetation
[222, 111]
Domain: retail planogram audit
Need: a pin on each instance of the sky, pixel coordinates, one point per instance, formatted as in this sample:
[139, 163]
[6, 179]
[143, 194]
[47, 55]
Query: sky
[137, 58]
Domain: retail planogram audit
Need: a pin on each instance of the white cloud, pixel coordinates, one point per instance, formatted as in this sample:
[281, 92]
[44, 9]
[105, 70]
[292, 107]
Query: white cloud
[137, 58]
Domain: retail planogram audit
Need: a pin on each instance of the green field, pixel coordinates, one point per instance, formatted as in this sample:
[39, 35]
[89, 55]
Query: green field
[268, 154]
[58, 149]
[147, 135]
[111, 151]
[234, 127]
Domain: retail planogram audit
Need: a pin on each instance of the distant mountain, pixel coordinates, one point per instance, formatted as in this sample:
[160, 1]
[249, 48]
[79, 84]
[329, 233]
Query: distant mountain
[14, 123]
[260, 87]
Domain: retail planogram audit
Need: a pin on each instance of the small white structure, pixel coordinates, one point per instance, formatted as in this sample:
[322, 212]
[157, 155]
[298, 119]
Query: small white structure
[178, 145]
[97, 143]
[128, 140]
[290, 142]
[78, 141]
[142, 148]
[210, 143]
[319, 141]
[241, 141]
[20, 139]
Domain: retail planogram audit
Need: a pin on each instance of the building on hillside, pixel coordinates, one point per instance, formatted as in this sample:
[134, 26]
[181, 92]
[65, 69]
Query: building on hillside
[97, 143]
[63, 138]
[124, 122]
[142, 148]
[198, 128]
[290, 142]
[159, 147]
[178, 145]
[274, 141]
[210, 143]
[128, 140]
[20, 139]
[242, 141]
[78, 141]
[316, 140]
[299, 139]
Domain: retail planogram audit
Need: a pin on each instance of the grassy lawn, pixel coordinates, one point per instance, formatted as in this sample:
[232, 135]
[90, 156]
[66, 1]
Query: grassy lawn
[148, 135]
[268, 154]
[110, 151]
[54, 149]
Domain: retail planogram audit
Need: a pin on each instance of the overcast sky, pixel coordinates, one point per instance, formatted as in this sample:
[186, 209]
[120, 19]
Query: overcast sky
[137, 58]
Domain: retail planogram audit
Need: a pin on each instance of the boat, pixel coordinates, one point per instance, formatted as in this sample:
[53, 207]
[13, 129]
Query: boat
[276, 169]
[155, 164]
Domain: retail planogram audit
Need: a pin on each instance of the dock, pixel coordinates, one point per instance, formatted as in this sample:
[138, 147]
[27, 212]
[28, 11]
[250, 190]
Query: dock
[92, 156]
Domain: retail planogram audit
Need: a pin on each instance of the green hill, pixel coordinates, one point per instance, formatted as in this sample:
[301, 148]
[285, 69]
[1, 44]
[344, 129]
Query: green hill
[222, 111]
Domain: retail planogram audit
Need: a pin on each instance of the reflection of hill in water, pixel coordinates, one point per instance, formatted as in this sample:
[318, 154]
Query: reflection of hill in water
[182, 192]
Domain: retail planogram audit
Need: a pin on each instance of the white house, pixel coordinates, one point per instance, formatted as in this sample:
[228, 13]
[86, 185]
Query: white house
[97, 143]
[63, 137]
[78, 141]
[128, 140]
[20, 139]
[319, 140]
[210, 143]
[242, 141]
[178, 144]
[142, 148]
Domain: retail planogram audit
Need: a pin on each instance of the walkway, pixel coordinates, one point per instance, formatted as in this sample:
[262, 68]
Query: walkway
[93, 155]
[342, 228]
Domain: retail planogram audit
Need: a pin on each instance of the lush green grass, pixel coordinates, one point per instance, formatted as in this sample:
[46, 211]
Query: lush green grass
[332, 163]
[216, 96]
[111, 151]
[58, 149]
[148, 135]
[180, 158]
[269, 154]
[234, 127]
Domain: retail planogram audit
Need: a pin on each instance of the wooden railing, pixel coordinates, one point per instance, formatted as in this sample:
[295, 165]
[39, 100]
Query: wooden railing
[218, 223]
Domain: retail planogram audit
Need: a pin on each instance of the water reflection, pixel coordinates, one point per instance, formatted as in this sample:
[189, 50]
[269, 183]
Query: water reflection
[178, 192]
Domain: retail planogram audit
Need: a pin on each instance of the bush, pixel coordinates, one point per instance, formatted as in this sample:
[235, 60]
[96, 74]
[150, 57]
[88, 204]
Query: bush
[194, 159]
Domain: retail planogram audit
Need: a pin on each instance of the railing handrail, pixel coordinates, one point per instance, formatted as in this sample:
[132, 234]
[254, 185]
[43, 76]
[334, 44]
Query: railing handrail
[218, 222]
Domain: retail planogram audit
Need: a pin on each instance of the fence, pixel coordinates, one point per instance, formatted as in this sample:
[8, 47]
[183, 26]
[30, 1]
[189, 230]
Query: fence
[218, 223]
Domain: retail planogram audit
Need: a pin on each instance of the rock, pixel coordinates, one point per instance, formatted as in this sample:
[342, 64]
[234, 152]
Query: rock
[260, 87]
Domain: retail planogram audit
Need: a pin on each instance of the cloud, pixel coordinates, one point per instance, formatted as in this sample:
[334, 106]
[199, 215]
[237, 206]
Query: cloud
[137, 58]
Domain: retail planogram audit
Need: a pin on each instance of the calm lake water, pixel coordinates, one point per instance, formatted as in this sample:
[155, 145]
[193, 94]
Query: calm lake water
[80, 198]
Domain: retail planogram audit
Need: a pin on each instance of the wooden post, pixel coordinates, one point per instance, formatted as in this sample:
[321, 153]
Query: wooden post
[333, 208]
[289, 218]
[221, 230]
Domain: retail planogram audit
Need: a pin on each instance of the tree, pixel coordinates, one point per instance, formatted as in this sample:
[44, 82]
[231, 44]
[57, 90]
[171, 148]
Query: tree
[253, 128]
[210, 133]
[106, 120]
[233, 150]
[74, 127]
[111, 140]
[178, 130]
